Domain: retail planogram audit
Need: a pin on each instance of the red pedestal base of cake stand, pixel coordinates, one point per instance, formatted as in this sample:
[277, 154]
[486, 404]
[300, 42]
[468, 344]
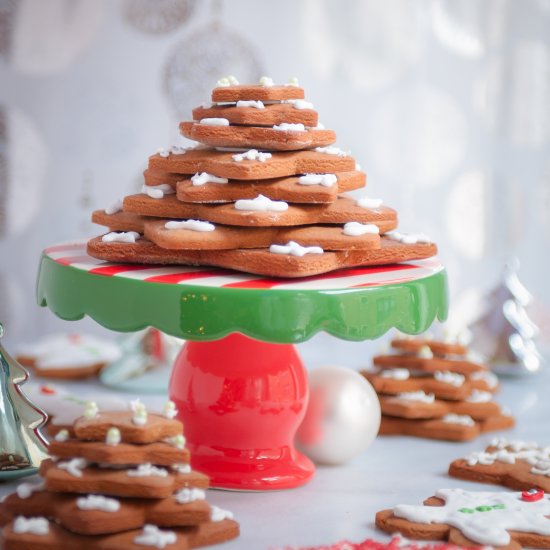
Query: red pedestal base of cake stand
[241, 402]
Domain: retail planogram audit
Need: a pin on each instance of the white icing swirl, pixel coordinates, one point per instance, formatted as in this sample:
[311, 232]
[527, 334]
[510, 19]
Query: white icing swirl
[74, 466]
[225, 81]
[251, 154]
[261, 204]
[331, 150]
[214, 121]
[250, 103]
[121, 237]
[147, 470]
[461, 419]
[62, 435]
[187, 495]
[98, 502]
[408, 238]
[366, 202]
[34, 526]
[219, 514]
[326, 180]
[153, 536]
[452, 378]
[191, 225]
[114, 208]
[292, 248]
[290, 127]
[204, 177]
[266, 81]
[396, 374]
[158, 191]
[420, 396]
[25, 490]
[478, 396]
[356, 229]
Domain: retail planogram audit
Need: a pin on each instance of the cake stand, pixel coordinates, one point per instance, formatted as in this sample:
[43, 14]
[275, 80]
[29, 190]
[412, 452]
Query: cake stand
[238, 383]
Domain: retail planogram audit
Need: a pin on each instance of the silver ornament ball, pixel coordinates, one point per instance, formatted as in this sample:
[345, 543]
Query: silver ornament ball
[343, 416]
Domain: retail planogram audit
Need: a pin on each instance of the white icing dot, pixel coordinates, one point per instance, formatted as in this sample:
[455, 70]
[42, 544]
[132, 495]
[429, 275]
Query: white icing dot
[408, 238]
[326, 180]
[292, 248]
[452, 378]
[62, 435]
[252, 154]
[162, 152]
[250, 103]
[147, 470]
[114, 208]
[366, 202]
[266, 81]
[113, 436]
[261, 204]
[74, 466]
[331, 150]
[355, 229]
[419, 396]
[192, 225]
[26, 489]
[153, 536]
[186, 495]
[91, 409]
[98, 502]
[293, 81]
[227, 81]
[219, 514]
[301, 104]
[396, 374]
[34, 526]
[290, 127]
[182, 468]
[461, 419]
[158, 191]
[214, 121]
[204, 177]
[478, 396]
[425, 352]
[177, 441]
[169, 410]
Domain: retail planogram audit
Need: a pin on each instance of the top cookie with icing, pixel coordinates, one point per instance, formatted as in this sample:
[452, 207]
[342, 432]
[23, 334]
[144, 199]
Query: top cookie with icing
[154, 428]
[256, 92]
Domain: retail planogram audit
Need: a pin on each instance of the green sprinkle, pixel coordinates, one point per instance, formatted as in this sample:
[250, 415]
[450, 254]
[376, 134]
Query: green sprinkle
[484, 508]
[466, 510]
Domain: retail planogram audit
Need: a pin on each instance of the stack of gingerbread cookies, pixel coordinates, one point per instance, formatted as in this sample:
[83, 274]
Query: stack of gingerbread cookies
[262, 192]
[433, 389]
[116, 481]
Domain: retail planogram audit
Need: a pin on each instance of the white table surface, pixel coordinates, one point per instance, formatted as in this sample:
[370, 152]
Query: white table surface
[341, 502]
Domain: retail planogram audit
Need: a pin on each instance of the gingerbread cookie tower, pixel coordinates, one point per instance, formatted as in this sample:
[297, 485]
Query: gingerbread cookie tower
[121, 480]
[433, 389]
[260, 193]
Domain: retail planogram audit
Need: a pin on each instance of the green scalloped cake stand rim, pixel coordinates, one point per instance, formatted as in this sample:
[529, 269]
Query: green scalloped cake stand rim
[203, 304]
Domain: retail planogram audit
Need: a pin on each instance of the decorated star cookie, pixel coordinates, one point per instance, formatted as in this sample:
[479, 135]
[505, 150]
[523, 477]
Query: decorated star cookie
[501, 519]
[68, 356]
[516, 464]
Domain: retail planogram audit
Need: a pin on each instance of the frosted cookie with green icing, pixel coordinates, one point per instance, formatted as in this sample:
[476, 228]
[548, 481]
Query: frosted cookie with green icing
[499, 519]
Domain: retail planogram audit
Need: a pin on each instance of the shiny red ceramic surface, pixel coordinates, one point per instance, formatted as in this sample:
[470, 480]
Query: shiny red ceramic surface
[241, 402]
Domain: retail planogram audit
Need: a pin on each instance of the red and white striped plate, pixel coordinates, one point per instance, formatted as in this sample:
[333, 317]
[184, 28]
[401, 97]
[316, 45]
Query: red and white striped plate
[74, 255]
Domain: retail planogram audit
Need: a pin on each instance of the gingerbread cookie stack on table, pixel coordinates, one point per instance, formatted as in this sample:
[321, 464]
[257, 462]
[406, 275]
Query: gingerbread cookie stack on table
[123, 481]
[432, 389]
[262, 192]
